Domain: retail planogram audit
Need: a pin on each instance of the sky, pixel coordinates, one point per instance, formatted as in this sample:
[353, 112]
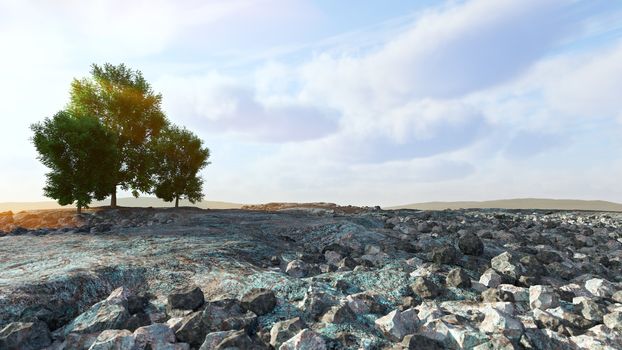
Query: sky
[354, 102]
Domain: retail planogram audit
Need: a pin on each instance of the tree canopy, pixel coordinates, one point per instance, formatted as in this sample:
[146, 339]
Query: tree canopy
[181, 156]
[79, 152]
[125, 103]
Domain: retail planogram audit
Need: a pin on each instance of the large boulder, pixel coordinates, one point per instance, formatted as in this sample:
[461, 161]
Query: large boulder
[191, 329]
[613, 321]
[500, 322]
[25, 336]
[260, 301]
[156, 336]
[425, 288]
[458, 278]
[107, 314]
[227, 314]
[339, 314]
[507, 265]
[490, 278]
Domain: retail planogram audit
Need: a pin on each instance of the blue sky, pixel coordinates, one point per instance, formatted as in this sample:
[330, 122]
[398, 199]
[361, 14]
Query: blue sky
[354, 102]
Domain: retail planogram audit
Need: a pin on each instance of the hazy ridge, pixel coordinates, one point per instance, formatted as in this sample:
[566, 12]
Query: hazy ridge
[518, 203]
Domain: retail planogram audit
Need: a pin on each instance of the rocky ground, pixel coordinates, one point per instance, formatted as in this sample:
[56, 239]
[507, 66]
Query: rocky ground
[322, 277]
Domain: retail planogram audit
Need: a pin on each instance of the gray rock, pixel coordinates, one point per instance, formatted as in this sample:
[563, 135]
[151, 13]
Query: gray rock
[297, 268]
[458, 278]
[421, 342]
[191, 329]
[190, 298]
[25, 336]
[493, 295]
[542, 297]
[339, 314]
[107, 314]
[225, 315]
[396, 325]
[470, 244]
[259, 301]
[240, 340]
[613, 321]
[425, 288]
[113, 339]
[304, 340]
[490, 278]
[445, 255]
[284, 330]
[507, 265]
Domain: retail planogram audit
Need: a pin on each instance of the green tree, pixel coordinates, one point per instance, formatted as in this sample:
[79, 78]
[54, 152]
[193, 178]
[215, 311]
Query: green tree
[181, 156]
[79, 152]
[125, 103]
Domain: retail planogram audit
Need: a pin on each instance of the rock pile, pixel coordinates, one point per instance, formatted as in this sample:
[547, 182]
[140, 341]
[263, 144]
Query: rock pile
[313, 279]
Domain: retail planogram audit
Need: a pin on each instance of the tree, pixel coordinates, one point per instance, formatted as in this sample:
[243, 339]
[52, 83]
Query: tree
[79, 152]
[181, 156]
[124, 102]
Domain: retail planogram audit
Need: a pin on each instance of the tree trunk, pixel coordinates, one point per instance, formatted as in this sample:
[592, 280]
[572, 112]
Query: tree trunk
[177, 202]
[113, 198]
[79, 209]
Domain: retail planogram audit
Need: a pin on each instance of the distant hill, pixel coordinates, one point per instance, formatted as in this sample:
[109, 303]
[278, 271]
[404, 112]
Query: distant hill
[123, 202]
[519, 203]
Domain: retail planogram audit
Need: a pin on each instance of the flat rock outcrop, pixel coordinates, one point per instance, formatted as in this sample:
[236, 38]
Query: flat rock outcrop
[317, 276]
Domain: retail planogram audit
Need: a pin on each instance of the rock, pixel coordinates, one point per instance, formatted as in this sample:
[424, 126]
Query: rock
[78, 341]
[493, 295]
[113, 339]
[347, 263]
[421, 342]
[542, 297]
[617, 296]
[192, 330]
[107, 314]
[548, 257]
[613, 321]
[305, 339]
[600, 287]
[156, 336]
[339, 314]
[507, 265]
[25, 336]
[470, 244]
[240, 340]
[214, 338]
[190, 298]
[332, 257]
[137, 320]
[363, 303]
[490, 278]
[297, 268]
[396, 324]
[284, 330]
[425, 288]
[500, 322]
[589, 309]
[315, 303]
[259, 301]
[519, 294]
[445, 255]
[225, 315]
[458, 278]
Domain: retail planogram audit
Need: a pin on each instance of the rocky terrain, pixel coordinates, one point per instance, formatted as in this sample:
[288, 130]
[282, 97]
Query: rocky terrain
[323, 277]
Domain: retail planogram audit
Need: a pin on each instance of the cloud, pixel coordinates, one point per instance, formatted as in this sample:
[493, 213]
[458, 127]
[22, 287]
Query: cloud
[217, 104]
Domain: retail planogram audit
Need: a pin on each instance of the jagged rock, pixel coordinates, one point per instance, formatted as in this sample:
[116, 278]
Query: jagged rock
[470, 244]
[190, 298]
[421, 342]
[445, 255]
[396, 324]
[452, 333]
[25, 336]
[297, 268]
[157, 336]
[78, 341]
[542, 297]
[490, 278]
[259, 301]
[425, 288]
[600, 287]
[548, 256]
[589, 309]
[617, 296]
[500, 322]
[240, 340]
[493, 295]
[347, 263]
[507, 265]
[458, 278]
[305, 339]
[339, 314]
[214, 338]
[107, 314]
[613, 321]
[428, 311]
[520, 294]
[226, 314]
[113, 339]
[191, 330]
[363, 303]
[137, 320]
[284, 330]
[332, 257]
[315, 303]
